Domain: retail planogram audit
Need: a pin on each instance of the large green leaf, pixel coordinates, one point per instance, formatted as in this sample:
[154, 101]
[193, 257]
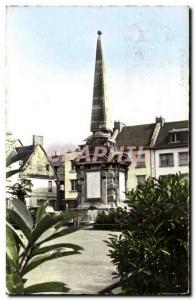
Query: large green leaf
[46, 249]
[10, 265]
[67, 216]
[41, 212]
[38, 260]
[14, 218]
[49, 232]
[53, 233]
[14, 284]
[11, 247]
[48, 221]
[53, 286]
[17, 236]
[22, 211]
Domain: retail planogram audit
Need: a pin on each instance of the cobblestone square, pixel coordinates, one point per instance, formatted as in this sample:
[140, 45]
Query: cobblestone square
[84, 274]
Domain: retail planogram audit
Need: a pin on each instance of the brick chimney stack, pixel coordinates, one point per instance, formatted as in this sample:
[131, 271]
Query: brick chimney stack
[160, 120]
[37, 140]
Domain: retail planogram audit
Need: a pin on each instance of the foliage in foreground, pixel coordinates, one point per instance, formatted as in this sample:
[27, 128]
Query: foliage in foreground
[152, 258]
[27, 248]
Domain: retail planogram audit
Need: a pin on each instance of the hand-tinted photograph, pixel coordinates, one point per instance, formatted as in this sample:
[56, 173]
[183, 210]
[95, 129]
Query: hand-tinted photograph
[97, 150]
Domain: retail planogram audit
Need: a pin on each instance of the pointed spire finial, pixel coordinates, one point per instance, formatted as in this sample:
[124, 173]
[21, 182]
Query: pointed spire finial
[100, 109]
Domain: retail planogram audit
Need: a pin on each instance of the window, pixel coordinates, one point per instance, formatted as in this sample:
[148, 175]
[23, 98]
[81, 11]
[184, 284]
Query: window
[61, 170]
[183, 158]
[61, 186]
[72, 166]
[140, 159]
[73, 185]
[49, 186]
[172, 137]
[141, 179]
[182, 136]
[166, 160]
[179, 136]
[47, 167]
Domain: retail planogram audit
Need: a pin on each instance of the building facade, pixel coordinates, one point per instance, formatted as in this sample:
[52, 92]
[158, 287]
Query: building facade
[31, 163]
[163, 147]
[170, 153]
[71, 193]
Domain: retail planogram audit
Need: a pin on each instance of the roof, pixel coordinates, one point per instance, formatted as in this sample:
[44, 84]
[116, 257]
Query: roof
[179, 129]
[138, 135]
[11, 173]
[57, 160]
[22, 154]
[163, 137]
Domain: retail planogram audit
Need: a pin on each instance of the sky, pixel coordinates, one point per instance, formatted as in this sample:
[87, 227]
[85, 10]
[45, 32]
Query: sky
[50, 59]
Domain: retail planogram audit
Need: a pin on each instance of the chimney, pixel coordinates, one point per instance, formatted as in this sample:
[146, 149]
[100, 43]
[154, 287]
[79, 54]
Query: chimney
[159, 124]
[37, 140]
[160, 120]
[118, 125]
[9, 136]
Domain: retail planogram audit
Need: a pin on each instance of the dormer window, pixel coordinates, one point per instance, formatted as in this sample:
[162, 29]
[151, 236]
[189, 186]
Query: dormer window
[182, 136]
[178, 135]
[172, 137]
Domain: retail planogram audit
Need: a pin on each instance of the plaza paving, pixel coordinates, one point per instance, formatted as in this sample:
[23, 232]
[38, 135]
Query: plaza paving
[84, 274]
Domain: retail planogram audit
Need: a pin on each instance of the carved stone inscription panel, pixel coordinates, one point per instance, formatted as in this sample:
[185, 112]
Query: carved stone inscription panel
[93, 185]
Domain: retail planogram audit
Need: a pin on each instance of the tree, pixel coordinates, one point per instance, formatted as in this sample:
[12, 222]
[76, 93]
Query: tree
[21, 189]
[152, 257]
[26, 249]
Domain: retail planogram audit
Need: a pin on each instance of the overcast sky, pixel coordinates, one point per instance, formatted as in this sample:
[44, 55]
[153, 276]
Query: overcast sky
[51, 60]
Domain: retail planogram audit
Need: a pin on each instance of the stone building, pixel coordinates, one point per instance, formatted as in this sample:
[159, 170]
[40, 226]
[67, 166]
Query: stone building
[31, 163]
[160, 154]
[170, 153]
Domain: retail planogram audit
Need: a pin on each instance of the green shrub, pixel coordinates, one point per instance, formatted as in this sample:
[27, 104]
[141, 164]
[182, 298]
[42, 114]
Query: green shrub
[152, 258]
[113, 219]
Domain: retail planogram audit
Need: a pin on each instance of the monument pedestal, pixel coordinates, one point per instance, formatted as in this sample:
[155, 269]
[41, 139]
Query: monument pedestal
[101, 185]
